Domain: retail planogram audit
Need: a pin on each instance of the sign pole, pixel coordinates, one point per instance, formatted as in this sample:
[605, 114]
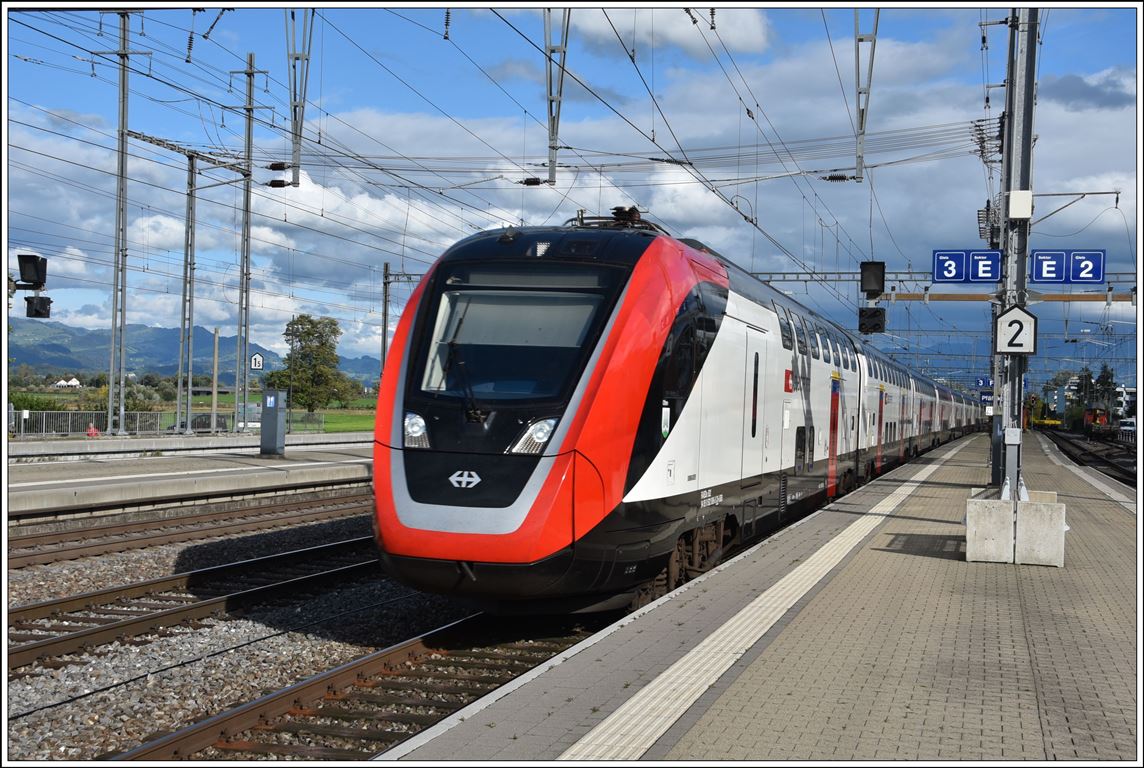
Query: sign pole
[1018, 213]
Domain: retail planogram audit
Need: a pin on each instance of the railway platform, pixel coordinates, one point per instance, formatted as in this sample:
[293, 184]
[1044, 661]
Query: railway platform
[155, 476]
[861, 633]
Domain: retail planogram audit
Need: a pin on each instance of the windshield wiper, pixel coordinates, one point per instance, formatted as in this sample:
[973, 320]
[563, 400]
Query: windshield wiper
[473, 412]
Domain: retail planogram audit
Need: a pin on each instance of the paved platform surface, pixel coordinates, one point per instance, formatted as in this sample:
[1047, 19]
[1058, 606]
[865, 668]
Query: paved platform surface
[859, 634]
[51, 487]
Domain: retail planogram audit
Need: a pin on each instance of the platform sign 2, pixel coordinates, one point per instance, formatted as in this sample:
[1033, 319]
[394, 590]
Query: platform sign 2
[966, 266]
[1079, 267]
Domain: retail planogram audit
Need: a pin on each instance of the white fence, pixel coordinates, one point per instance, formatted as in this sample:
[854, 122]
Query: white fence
[39, 424]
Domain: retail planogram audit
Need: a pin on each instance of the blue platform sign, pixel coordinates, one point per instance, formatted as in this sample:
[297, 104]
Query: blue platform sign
[966, 266]
[1048, 266]
[987, 398]
[949, 267]
[1061, 267]
[985, 381]
[985, 266]
[1086, 267]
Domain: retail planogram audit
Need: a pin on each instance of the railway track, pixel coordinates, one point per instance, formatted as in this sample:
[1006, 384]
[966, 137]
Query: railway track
[360, 709]
[1114, 459]
[50, 629]
[86, 540]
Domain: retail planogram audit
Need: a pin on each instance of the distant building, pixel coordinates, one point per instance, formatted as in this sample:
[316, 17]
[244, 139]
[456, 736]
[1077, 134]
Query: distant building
[72, 383]
[1125, 400]
[197, 391]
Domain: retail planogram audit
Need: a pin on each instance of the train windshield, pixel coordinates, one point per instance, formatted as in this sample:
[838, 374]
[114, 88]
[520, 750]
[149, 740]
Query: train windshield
[504, 333]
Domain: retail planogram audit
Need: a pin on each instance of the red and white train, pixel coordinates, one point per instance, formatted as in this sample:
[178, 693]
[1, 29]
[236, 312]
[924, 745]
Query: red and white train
[582, 417]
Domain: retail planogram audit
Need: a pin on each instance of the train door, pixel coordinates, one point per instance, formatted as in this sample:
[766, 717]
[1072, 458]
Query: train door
[880, 433]
[832, 445]
[754, 421]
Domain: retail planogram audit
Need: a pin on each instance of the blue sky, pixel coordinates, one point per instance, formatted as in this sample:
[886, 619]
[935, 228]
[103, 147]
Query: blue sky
[413, 141]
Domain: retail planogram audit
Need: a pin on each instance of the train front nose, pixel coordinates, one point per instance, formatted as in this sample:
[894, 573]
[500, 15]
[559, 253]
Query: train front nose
[522, 549]
[476, 468]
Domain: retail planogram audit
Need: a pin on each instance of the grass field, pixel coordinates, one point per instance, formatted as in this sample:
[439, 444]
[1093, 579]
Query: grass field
[348, 420]
[357, 418]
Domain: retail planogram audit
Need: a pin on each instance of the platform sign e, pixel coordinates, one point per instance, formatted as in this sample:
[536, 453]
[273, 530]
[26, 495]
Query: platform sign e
[985, 266]
[1048, 267]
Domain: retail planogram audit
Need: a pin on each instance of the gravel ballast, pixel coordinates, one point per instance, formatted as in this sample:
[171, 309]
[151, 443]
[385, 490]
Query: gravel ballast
[123, 693]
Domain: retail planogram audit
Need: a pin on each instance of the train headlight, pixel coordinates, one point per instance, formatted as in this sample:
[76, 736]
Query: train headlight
[416, 434]
[534, 437]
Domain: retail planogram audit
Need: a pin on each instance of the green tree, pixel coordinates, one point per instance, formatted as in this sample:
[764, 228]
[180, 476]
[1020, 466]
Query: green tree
[24, 401]
[1084, 388]
[347, 391]
[1104, 388]
[23, 376]
[94, 399]
[311, 373]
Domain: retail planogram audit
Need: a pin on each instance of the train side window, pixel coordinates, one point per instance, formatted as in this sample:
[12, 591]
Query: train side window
[784, 328]
[755, 397]
[810, 447]
[800, 334]
[680, 365]
[869, 366]
[813, 340]
[826, 358]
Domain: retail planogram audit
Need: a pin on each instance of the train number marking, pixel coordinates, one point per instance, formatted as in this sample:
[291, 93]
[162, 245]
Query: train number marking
[706, 499]
[464, 478]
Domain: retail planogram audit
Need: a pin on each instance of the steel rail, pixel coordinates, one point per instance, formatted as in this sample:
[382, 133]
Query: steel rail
[114, 600]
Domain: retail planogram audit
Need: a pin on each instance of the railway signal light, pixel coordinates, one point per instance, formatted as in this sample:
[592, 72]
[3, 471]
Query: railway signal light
[873, 278]
[39, 306]
[33, 271]
[871, 320]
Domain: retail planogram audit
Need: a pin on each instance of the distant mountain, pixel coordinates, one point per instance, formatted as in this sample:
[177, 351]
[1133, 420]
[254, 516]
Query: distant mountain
[55, 348]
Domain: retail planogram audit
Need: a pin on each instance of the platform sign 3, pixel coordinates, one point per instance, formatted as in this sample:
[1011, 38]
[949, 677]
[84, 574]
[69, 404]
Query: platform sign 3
[1081, 267]
[949, 267]
[1015, 332]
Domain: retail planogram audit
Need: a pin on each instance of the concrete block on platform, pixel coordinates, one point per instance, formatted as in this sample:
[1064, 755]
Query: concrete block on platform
[1040, 537]
[988, 531]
